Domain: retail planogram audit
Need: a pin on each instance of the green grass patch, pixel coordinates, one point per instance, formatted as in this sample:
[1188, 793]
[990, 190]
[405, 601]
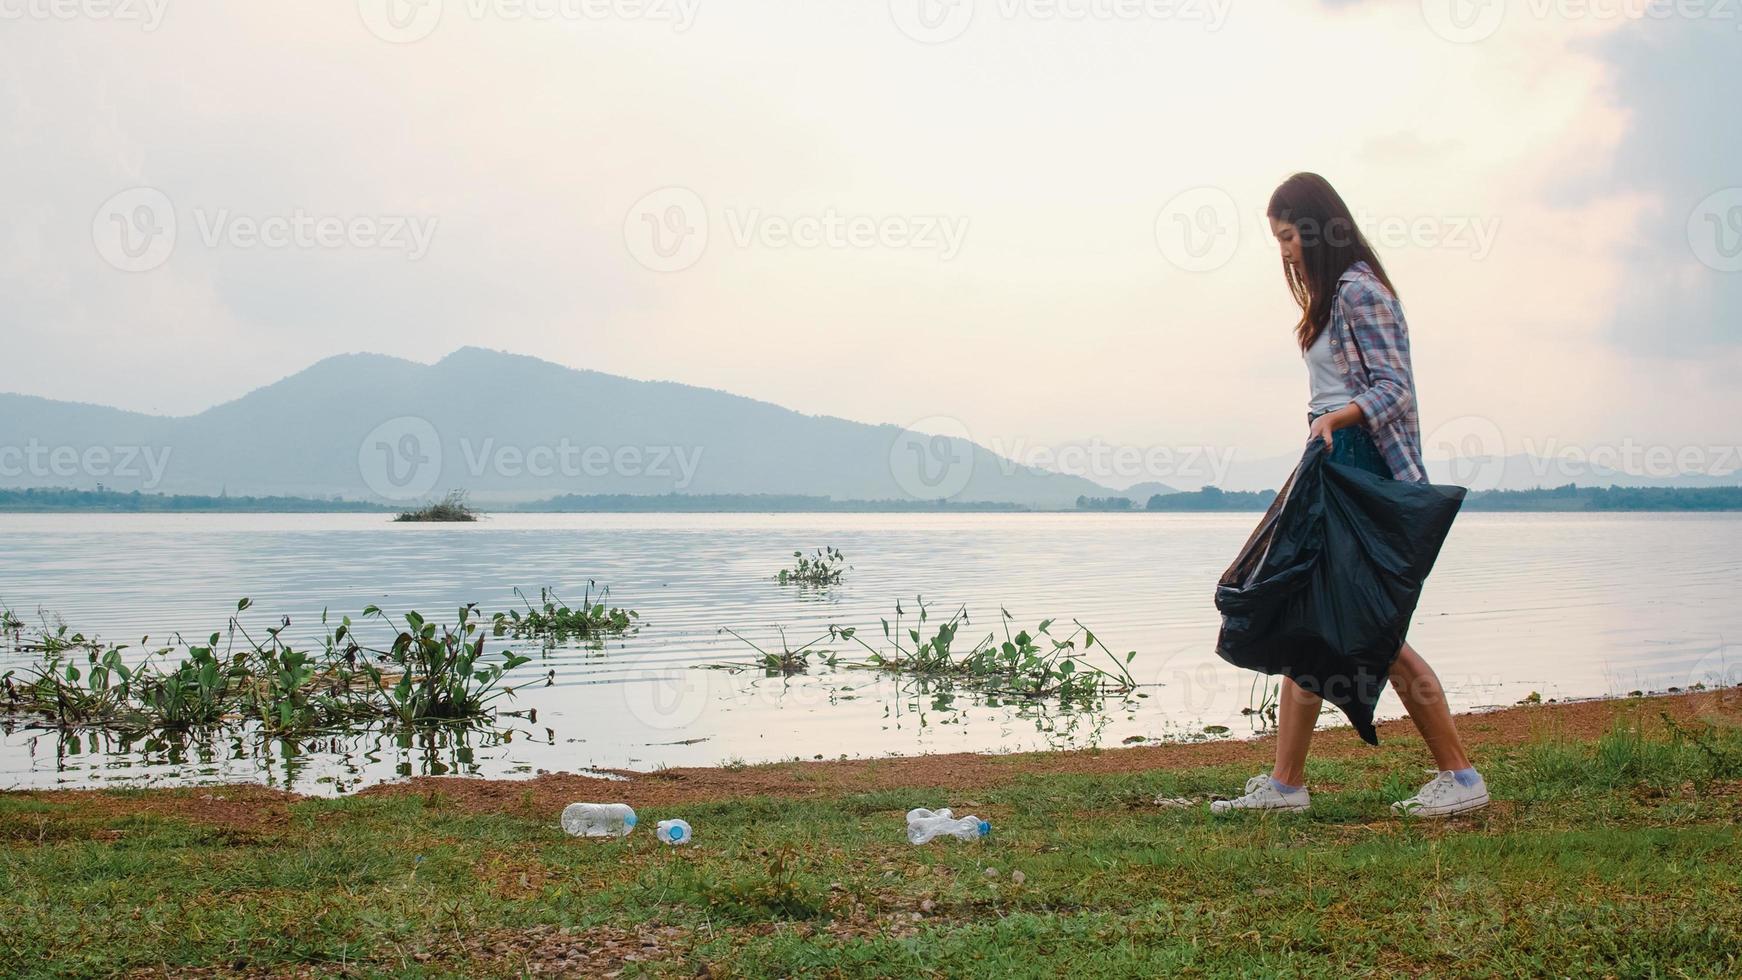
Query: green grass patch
[1617, 856]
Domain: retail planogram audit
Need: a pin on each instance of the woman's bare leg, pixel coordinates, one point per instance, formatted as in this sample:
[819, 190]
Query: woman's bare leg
[1419, 688]
[1297, 713]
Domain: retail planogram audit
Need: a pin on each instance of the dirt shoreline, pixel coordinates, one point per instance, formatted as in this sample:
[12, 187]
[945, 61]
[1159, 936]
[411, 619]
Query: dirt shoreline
[258, 809]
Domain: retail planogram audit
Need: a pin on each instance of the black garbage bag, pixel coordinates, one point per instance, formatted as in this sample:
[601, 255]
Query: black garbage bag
[1324, 589]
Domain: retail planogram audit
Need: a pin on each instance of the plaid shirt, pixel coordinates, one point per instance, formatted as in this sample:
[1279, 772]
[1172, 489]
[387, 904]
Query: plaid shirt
[1370, 343]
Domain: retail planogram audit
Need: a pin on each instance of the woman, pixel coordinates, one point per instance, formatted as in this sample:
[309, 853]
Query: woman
[1356, 347]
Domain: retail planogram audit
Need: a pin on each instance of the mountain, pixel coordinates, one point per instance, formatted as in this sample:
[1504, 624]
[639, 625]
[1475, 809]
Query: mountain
[506, 428]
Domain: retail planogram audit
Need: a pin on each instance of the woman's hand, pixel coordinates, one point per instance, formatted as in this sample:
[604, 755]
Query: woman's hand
[1324, 425]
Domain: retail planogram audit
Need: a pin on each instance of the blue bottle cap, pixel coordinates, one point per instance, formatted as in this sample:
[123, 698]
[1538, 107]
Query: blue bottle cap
[676, 833]
[629, 821]
[985, 828]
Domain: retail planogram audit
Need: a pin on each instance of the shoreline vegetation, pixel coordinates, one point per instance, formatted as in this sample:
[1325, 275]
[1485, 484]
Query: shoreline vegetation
[1611, 848]
[1566, 499]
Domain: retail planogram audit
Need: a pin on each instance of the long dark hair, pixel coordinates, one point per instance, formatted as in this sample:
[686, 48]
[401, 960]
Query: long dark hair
[1330, 243]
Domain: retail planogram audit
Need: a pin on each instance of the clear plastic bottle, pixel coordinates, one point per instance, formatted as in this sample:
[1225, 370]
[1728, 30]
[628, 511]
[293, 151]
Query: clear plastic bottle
[673, 832]
[598, 819]
[924, 825]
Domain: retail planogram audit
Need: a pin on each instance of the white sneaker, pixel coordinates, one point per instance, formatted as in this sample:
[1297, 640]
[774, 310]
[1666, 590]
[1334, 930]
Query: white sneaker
[1443, 797]
[1262, 794]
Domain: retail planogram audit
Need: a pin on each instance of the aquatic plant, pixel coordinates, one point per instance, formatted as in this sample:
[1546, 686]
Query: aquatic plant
[788, 660]
[430, 673]
[452, 508]
[826, 566]
[1033, 664]
[553, 619]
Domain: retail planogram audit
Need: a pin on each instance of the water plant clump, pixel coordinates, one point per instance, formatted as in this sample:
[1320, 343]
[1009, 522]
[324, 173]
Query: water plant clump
[430, 673]
[788, 660]
[453, 508]
[554, 620]
[826, 566]
[1030, 664]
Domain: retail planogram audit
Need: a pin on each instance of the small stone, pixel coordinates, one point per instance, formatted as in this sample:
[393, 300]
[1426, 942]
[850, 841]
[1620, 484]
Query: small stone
[927, 905]
[991, 872]
[1017, 877]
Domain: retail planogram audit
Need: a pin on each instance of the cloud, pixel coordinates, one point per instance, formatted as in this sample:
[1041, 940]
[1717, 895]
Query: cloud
[1680, 82]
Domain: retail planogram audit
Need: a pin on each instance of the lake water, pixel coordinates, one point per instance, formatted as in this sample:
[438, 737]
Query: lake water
[1565, 605]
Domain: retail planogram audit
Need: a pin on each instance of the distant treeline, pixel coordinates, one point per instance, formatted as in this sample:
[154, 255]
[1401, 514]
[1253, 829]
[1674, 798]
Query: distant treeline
[1211, 498]
[744, 503]
[1577, 498]
[39, 500]
[1567, 498]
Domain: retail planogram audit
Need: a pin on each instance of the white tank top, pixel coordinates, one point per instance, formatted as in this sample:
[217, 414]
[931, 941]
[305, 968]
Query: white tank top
[1329, 391]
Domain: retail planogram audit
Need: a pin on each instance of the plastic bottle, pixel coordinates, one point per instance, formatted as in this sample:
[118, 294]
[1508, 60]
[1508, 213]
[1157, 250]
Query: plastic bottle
[673, 832]
[599, 819]
[921, 829]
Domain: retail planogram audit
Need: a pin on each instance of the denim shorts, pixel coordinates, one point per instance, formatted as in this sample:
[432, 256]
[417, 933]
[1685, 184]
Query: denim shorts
[1354, 446]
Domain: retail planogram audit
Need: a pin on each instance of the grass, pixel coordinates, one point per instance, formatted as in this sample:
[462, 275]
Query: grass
[1617, 856]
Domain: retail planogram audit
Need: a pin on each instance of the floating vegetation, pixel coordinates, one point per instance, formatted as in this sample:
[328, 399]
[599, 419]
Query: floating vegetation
[788, 660]
[452, 508]
[826, 566]
[1026, 664]
[553, 620]
[430, 673]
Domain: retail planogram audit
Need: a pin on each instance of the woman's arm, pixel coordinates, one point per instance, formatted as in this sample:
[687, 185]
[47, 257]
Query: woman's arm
[1377, 323]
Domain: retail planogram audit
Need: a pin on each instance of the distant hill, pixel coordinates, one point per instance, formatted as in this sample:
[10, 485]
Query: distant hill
[507, 428]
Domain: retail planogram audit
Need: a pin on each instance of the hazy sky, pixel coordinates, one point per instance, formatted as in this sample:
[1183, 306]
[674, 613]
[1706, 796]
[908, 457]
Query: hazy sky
[999, 212]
